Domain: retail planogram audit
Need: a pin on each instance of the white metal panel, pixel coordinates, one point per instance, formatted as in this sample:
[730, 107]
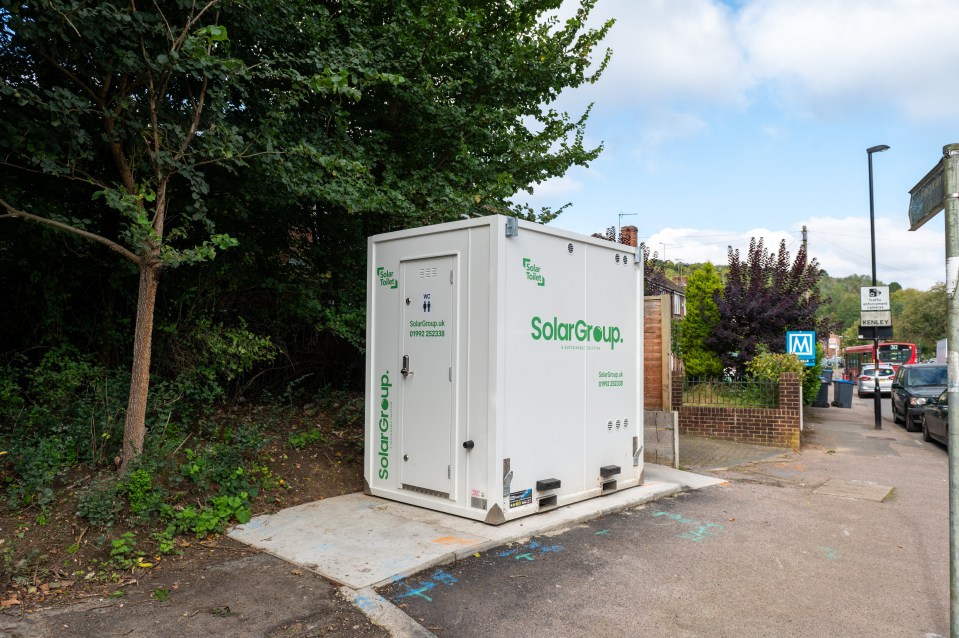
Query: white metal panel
[545, 363]
[612, 415]
[426, 382]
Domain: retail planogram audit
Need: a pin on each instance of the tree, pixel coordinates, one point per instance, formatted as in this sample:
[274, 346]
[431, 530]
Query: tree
[923, 317]
[301, 126]
[764, 297]
[702, 318]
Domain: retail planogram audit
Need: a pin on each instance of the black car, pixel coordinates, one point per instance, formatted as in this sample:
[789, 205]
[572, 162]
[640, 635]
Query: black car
[914, 386]
[935, 419]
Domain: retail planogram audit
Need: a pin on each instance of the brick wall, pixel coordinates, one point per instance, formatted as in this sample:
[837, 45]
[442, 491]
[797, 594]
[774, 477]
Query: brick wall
[777, 427]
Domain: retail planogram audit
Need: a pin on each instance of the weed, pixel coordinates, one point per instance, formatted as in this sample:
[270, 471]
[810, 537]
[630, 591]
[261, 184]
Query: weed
[124, 554]
[100, 503]
[142, 495]
[299, 440]
[161, 595]
[164, 540]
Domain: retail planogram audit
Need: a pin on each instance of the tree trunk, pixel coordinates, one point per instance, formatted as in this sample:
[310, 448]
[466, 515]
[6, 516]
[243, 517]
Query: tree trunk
[134, 428]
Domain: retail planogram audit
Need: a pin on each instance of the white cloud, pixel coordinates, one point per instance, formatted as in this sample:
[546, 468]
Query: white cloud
[825, 53]
[914, 259]
[548, 192]
[664, 51]
[819, 56]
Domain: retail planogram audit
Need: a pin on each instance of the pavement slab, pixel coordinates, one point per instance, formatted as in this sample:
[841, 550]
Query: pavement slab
[363, 541]
[862, 490]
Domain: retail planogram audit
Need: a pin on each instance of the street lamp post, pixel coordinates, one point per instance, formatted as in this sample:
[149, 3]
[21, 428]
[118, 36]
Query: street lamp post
[877, 403]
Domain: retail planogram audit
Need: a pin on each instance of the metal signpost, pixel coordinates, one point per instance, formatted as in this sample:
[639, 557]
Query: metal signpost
[939, 190]
[875, 321]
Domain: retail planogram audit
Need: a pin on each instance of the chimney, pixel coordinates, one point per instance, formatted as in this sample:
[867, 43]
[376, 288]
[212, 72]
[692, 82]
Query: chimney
[628, 235]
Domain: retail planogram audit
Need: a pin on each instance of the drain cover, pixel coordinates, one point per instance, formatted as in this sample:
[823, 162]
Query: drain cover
[862, 490]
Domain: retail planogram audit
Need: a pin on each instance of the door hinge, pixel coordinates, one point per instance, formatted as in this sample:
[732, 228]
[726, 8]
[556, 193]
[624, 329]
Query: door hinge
[451, 277]
[449, 472]
[451, 374]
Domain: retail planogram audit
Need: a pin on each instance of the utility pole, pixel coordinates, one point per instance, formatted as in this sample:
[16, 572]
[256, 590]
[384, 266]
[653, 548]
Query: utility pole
[877, 403]
[950, 165]
[939, 190]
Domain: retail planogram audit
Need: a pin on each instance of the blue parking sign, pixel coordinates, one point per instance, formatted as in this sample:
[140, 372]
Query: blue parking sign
[802, 343]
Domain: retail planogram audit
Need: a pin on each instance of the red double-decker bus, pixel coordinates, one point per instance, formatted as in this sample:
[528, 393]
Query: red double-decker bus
[895, 354]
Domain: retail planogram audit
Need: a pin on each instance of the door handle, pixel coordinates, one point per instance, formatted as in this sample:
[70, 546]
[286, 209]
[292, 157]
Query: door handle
[405, 370]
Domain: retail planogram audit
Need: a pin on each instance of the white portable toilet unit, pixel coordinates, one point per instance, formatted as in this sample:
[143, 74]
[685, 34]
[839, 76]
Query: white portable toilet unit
[503, 369]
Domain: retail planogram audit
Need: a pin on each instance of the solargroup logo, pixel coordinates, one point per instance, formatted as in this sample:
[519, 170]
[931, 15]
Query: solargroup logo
[555, 330]
[384, 425]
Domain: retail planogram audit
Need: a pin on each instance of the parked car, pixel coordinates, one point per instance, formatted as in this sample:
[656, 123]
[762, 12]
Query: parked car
[935, 419]
[914, 386]
[867, 380]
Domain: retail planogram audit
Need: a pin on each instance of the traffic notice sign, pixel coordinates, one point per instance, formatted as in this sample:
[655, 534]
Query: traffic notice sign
[874, 298]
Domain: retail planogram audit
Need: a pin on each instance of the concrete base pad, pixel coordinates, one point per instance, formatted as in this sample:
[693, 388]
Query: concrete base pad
[363, 541]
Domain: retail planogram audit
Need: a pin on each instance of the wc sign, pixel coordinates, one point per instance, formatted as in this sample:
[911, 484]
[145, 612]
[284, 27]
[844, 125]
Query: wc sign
[802, 343]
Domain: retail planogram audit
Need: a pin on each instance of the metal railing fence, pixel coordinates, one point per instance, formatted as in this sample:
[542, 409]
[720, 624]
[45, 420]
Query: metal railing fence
[746, 392]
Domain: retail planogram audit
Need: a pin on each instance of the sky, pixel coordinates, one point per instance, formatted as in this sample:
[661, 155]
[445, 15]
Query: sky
[723, 121]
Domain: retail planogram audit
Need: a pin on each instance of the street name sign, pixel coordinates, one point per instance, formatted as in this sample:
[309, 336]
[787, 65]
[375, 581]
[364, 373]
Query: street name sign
[927, 197]
[802, 343]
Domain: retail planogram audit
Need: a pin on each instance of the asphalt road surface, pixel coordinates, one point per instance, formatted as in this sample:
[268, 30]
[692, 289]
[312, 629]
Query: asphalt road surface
[764, 555]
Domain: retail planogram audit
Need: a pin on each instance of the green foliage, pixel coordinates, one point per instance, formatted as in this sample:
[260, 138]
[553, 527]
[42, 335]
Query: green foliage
[702, 316]
[100, 503]
[215, 354]
[299, 440]
[123, 551]
[770, 365]
[765, 296]
[143, 496]
[214, 517]
[164, 539]
[811, 374]
[922, 317]
[34, 468]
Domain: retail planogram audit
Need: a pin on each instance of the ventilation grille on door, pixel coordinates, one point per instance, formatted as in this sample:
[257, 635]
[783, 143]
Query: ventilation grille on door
[427, 273]
[425, 490]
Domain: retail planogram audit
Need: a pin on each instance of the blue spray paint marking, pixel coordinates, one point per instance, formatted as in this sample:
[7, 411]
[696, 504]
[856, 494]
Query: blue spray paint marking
[364, 603]
[533, 548]
[419, 592]
[256, 523]
[323, 547]
[702, 531]
[830, 553]
[604, 532]
[441, 576]
[445, 577]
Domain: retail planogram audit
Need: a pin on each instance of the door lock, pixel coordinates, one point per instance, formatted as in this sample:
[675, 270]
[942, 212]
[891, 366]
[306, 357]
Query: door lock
[468, 445]
[405, 370]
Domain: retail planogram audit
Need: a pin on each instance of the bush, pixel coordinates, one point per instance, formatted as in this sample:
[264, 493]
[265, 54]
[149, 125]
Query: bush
[769, 365]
